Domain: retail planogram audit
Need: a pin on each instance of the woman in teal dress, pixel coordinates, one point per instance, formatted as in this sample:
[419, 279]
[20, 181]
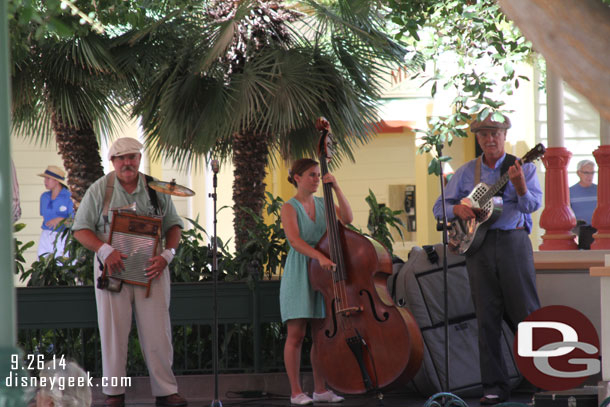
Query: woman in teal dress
[304, 222]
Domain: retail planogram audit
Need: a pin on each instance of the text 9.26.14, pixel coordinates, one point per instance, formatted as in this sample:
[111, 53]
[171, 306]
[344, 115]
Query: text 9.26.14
[33, 362]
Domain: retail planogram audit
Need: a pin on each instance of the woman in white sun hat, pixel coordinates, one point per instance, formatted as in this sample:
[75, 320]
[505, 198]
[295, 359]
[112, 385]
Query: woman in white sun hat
[55, 206]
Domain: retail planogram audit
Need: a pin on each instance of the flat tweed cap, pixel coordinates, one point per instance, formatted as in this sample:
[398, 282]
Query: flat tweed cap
[489, 123]
[123, 146]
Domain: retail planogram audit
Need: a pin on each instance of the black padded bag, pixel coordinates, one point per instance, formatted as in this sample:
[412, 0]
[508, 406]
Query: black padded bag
[418, 286]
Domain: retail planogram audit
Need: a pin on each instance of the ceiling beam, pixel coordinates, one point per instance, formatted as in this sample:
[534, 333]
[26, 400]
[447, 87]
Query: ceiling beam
[574, 38]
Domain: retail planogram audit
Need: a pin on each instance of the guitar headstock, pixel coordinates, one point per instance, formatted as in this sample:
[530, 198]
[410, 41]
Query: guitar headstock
[534, 154]
[326, 142]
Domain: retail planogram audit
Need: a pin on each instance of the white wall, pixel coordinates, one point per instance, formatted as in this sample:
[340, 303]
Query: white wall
[30, 160]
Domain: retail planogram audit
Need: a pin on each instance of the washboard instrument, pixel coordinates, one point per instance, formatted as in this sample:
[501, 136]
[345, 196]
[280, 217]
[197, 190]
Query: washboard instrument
[466, 236]
[138, 237]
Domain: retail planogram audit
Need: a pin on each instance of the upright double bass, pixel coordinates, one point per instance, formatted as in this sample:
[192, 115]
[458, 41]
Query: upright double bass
[365, 342]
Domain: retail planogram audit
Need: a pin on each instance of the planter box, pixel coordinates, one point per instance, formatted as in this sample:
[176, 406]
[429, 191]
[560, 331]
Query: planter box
[191, 303]
[69, 316]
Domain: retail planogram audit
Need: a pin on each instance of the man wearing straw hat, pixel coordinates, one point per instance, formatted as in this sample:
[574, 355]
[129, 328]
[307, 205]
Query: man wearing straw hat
[114, 309]
[55, 208]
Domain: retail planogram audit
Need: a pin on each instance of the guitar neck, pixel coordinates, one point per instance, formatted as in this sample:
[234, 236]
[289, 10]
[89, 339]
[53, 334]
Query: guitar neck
[493, 190]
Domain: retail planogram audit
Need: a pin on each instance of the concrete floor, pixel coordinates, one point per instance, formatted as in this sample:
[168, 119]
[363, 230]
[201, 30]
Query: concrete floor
[391, 400]
[258, 390]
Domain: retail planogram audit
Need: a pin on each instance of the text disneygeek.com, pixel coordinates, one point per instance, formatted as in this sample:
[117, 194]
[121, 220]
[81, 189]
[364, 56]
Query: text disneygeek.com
[61, 382]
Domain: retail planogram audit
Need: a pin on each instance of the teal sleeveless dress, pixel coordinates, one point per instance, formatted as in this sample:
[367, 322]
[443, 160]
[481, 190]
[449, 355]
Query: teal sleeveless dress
[297, 298]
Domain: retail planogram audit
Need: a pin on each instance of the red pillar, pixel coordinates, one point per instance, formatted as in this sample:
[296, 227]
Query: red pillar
[601, 215]
[557, 217]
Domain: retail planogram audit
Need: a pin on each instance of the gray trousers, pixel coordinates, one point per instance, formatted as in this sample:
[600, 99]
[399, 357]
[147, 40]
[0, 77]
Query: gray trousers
[503, 283]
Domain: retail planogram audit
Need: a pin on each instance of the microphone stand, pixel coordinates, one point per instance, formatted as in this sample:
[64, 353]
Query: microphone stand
[216, 402]
[439, 149]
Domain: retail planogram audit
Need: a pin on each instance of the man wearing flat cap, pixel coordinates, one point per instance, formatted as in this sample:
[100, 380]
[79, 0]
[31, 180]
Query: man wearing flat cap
[123, 187]
[501, 271]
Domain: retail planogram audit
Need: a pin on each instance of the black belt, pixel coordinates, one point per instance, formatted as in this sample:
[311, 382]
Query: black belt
[506, 230]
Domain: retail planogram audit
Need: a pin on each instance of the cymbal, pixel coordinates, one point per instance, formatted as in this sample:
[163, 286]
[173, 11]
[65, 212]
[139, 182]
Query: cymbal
[171, 188]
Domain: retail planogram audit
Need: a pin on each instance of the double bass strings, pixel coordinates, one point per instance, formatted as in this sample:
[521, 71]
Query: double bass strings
[338, 280]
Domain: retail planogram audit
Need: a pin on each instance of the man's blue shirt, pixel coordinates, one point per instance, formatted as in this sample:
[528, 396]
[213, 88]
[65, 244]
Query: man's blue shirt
[516, 209]
[583, 201]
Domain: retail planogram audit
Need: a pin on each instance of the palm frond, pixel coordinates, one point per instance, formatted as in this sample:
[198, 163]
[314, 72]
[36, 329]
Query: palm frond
[332, 62]
[74, 80]
[222, 31]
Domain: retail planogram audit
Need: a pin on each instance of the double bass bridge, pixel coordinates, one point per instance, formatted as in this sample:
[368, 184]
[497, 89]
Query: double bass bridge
[338, 311]
[346, 312]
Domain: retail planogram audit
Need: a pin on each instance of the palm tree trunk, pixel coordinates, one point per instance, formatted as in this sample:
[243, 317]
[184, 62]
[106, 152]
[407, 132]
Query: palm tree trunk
[250, 156]
[79, 150]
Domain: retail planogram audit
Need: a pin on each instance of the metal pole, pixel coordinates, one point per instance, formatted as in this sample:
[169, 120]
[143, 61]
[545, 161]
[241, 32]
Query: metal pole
[439, 148]
[10, 355]
[216, 402]
[7, 299]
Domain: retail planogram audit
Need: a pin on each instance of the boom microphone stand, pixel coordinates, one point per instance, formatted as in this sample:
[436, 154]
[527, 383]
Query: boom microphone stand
[216, 402]
[439, 149]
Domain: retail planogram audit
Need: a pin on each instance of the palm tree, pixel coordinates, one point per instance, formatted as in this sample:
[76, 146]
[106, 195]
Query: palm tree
[244, 79]
[66, 83]
[66, 87]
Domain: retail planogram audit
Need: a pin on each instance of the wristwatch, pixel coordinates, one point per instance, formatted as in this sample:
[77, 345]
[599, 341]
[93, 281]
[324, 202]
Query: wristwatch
[172, 251]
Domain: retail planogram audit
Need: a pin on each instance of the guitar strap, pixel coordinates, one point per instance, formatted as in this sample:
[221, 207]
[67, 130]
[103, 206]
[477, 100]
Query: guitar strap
[508, 161]
[477, 170]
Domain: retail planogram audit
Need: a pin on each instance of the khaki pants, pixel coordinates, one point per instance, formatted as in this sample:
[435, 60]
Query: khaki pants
[114, 315]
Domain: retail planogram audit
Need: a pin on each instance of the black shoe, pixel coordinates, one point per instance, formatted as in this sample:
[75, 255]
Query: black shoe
[173, 400]
[115, 401]
[491, 401]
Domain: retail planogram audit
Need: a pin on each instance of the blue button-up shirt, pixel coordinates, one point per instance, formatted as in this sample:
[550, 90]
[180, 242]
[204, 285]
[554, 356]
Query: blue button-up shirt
[516, 209]
[60, 207]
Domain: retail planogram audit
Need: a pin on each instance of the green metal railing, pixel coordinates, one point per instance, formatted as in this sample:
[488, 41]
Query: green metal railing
[63, 321]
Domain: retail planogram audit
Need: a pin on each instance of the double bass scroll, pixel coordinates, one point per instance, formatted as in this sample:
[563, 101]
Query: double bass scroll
[365, 342]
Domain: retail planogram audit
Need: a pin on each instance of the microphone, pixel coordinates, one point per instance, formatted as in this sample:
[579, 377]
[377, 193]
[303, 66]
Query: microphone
[215, 166]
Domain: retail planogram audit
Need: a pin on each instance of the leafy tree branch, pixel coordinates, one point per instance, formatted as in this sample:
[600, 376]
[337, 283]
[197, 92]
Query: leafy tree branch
[472, 50]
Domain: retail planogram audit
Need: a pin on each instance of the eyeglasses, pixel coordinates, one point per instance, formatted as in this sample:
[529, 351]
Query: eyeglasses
[492, 134]
[587, 172]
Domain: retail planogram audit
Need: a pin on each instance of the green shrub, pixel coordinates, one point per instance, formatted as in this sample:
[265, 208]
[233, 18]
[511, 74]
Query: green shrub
[193, 260]
[381, 219]
[20, 249]
[75, 267]
[265, 252]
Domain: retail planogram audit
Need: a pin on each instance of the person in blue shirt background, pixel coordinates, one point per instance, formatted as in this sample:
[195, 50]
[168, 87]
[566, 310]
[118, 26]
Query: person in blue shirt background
[55, 206]
[501, 271]
[583, 195]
